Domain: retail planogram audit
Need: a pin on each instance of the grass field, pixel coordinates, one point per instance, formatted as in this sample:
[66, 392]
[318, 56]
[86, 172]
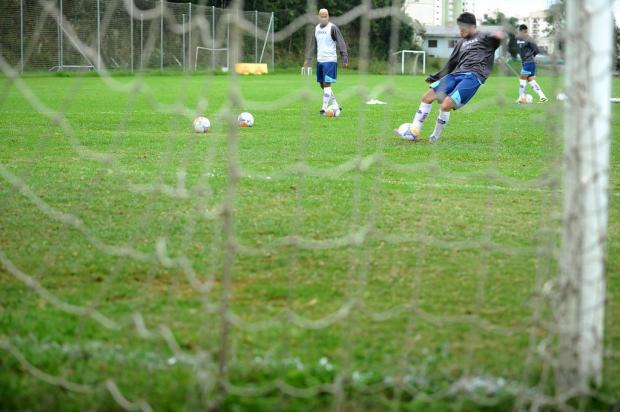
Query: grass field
[356, 271]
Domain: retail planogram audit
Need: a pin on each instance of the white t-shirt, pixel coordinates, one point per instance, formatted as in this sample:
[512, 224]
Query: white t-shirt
[325, 45]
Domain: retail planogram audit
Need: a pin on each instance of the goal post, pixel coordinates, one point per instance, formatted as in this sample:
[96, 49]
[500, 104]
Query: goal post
[416, 54]
[257, 42]
[581, 294]
[213, 52]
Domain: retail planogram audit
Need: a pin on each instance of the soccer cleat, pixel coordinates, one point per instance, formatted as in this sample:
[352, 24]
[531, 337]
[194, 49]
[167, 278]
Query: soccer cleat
[543, 100]
[322, 112]
[433, 138]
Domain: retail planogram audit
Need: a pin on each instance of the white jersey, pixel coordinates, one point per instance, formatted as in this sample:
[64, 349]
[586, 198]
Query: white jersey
[325, 44]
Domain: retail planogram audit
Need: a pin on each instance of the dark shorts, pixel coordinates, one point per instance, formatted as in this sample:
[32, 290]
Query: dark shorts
[461, 87]
[326, 72]
[529, 69]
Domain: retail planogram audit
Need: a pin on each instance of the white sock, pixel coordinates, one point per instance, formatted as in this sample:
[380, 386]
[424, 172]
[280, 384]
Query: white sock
[522, 85]
[333, 98]
[537, 89]
[442, 120]
[421, 115]
[327, 96]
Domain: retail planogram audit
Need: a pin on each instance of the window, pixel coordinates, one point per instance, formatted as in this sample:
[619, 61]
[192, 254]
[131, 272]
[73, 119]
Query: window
[432, 43]
[451, 44]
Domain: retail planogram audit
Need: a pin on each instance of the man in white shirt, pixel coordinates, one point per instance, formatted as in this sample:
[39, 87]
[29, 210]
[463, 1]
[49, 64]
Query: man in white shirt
[326, 37]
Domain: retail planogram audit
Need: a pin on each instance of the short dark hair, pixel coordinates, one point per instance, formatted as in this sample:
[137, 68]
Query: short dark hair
[466, 18]
[522, 27]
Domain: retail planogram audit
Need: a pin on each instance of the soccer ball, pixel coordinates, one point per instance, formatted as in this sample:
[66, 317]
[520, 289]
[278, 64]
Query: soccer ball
[201, 124]
[525, 99]
[407, 131]
[332, 111]
[245, 119]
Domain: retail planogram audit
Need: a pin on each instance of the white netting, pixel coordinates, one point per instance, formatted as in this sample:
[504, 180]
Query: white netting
[146, 268]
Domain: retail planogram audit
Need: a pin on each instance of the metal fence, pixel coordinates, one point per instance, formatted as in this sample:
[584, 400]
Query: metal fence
[128, 35]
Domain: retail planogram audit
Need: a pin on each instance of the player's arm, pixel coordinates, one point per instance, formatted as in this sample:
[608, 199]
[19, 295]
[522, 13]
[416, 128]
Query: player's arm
[311, 52]
[450, 65]
[342, 46]
[499, 35]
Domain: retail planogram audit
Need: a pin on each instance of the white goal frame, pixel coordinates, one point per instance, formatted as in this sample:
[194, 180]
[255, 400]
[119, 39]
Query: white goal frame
[213, 50]
[270, 36]
[402, 59]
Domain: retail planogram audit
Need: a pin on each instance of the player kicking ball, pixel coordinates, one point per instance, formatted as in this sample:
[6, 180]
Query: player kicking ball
[326, 37]
[528, 49]
[453, 86]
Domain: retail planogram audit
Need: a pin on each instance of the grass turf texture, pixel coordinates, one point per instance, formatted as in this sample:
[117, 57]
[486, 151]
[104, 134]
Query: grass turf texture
[459, 238]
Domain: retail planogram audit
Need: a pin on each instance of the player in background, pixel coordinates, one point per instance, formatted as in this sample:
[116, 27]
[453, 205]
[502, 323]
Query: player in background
[467, 69]
[326, 37]
[528, 49]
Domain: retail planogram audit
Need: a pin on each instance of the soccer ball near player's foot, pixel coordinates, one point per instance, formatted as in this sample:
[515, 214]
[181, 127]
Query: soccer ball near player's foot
[407, 131]
[332, 111]
[201, 124]
[245, 119]
[525, 99]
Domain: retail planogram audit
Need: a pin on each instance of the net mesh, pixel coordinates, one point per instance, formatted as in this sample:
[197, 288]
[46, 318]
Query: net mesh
[147, 268]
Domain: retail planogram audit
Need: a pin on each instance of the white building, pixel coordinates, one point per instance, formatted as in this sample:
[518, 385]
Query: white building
[438, 12]
[538, 29]
[440, 40]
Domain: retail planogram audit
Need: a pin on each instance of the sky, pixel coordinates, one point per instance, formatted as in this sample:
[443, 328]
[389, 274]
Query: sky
[521, 7]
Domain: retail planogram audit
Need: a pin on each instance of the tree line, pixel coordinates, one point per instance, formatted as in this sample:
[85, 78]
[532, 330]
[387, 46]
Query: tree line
[293, 48]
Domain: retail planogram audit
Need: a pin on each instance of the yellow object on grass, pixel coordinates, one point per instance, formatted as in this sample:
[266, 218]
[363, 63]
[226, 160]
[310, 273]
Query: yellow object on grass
[251, 68]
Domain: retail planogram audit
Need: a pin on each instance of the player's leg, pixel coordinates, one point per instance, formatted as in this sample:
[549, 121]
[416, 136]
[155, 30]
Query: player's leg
[447, 105]
[327, 95]
[522, 86]
[436, 91]
[320, 78]
[525, 73]
[534, 84]
[424, 109]
[330, 73]
[466, 86]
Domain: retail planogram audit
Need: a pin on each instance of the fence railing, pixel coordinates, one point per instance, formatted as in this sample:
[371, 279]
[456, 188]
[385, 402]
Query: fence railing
[127, 35]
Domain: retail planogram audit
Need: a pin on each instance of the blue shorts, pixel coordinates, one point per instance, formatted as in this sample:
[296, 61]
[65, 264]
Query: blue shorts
[326, 72]
[529, 69]
[461, 87]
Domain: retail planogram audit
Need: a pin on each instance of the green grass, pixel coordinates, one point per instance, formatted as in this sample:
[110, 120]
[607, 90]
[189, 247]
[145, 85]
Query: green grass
[459, 238]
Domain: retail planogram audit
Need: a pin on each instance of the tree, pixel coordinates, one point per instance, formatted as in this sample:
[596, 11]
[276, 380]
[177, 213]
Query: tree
[555, 17]
[556, 20]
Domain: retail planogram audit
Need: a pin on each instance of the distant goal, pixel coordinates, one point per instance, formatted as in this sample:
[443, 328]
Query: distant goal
[410, 61]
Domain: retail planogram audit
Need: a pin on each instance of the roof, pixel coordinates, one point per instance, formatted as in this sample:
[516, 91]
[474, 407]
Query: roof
[453, 31]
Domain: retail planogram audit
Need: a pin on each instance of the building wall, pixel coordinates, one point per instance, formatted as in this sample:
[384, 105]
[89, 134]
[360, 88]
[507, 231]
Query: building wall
[438, 12]
[444, 46]
[421, 10]
[535, 21]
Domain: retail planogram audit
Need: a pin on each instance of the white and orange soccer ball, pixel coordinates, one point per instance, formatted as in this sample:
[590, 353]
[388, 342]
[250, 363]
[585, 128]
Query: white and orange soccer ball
[525, 99]
[407, 131]
[201, 124]
[245, 119]
[332, 111]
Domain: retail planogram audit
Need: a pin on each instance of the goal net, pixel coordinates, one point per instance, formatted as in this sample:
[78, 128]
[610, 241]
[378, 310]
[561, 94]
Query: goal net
[307, 262]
